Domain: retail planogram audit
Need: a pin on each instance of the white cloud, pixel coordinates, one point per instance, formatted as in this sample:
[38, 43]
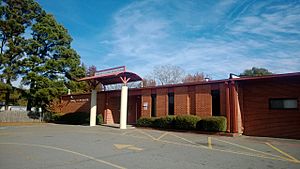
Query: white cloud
[216, 38]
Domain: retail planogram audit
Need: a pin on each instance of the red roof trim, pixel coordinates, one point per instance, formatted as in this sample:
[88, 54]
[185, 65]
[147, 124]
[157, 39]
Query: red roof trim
[113, 78]
[267, 76]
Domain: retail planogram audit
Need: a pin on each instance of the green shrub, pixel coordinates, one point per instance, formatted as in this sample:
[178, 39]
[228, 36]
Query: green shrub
[56, 117]
[52, 117]
[75, 118]
[216, 123]
[99, 119]
[164, 122]
[145, 122]
[186, 122]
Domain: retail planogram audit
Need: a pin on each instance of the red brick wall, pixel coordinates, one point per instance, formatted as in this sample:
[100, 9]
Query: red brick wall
[162, 102]
[101, 100]
[146, 98]
[192, 100]
[75, 103]
[222, 99]
[203, 100]
[259, 120]
[181, 100]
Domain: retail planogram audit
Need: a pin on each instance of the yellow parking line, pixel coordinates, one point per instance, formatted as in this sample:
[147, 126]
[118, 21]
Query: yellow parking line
[254, 155]
[247, 148]
[127, 132]
[162, 136]
[147, 134]
[227, 151]
[68, 151]
[283, 153]
[271, 156]
[182, 138]
[209, 142]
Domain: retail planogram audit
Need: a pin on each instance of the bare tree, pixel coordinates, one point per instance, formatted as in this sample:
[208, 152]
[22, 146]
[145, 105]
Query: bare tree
[91, 71]
[91, 84]
[197, 77]
[148, 81]
[168, 74]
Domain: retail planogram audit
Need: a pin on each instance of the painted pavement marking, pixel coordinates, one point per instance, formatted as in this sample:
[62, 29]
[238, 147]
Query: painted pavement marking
[258, 153]
[283, 153]
[68, 151]
[127, 146]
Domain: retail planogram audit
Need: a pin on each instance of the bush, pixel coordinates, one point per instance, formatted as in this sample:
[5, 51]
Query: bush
[52, 117]
[217, 123]
[99, 119]
[164, 122]
[186, 122]
[145, 122]
[75, 118]
[56, 117]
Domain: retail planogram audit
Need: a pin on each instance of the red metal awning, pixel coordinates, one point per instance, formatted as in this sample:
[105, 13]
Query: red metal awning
[113, 77]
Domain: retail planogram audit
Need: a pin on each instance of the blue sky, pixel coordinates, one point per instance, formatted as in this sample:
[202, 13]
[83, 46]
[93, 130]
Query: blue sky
[214, 37]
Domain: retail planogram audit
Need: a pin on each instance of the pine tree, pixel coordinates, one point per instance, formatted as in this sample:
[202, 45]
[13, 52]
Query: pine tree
[16, 17]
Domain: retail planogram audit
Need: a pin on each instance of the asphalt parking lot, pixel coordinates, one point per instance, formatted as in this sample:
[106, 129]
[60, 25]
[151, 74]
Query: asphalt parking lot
[54, 146]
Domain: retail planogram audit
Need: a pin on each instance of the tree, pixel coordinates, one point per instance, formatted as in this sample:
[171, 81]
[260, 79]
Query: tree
[91, 71]
[50, 64]
[254, 71]
[16, 17]
[147, 82]
[197, 77]
[168, 74]
[91, 85]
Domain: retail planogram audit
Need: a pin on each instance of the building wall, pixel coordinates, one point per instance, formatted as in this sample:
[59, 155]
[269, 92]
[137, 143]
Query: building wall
[259, 120]
[193, 100]
[75, 103]
[181, 101]
[247, 107]
[222, 99]
[203, 100]
[146, 103]
[162, 102]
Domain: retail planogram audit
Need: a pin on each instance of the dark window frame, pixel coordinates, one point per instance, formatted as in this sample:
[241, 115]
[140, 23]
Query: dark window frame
[153, 105]
[272, 108]
[171, 106]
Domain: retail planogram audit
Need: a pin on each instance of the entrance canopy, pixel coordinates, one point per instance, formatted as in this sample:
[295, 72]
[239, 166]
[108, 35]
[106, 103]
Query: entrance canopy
[113, 76]
[107, 77]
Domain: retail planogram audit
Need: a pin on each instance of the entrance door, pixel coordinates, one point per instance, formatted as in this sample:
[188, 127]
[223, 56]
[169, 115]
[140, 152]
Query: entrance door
[215, 95]
[134, 109]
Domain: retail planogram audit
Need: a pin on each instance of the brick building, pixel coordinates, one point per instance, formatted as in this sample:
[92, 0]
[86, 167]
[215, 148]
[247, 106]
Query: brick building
[259, 106]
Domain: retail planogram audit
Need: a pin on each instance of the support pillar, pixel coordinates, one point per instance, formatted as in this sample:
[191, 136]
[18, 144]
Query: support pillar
[93, 110]
[227, 101]
[234, 114]
[123, 112]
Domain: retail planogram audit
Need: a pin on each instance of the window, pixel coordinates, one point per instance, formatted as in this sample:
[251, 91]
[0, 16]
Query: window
[153, 105]
[171, 103]
[283, 103]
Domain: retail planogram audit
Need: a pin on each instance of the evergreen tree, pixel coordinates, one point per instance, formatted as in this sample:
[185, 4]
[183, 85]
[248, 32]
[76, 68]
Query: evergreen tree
[51, 64]
[254, 71]
[38, 48]
[16, 17]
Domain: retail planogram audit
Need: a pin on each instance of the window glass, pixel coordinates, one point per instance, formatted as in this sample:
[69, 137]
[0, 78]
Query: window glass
[283, 103]
[290, 104]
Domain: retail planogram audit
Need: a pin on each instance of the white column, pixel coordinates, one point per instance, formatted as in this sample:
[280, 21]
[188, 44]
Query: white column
[123, 112]
[93, 108]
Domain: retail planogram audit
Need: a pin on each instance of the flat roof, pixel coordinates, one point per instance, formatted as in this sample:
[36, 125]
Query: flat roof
[294, 74]
[274, 76]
